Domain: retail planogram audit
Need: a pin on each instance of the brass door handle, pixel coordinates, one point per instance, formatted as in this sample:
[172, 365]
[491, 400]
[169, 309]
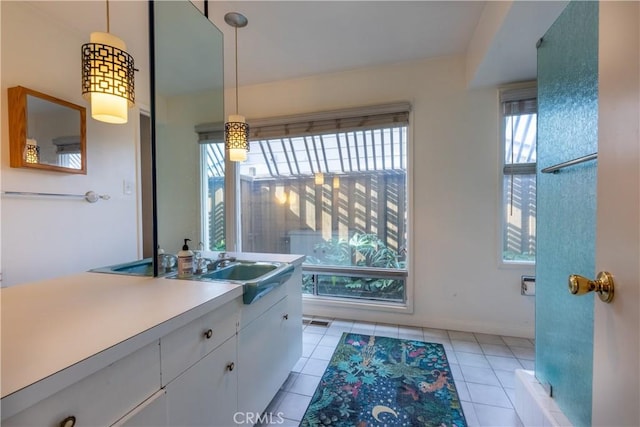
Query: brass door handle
[603, 285]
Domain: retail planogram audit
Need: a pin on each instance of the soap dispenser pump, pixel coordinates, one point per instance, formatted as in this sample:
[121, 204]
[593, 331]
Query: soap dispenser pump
[185, 261]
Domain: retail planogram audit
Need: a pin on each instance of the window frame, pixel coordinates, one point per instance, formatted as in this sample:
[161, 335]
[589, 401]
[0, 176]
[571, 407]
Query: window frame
[523, 91]
[232, 184]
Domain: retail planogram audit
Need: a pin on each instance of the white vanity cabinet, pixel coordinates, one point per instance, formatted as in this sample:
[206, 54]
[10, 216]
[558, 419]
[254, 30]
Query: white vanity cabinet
[189, 354]
[206, 394]
[185, 346]
[262, 345]
[100, 399]
[199, 370]
[269, 344]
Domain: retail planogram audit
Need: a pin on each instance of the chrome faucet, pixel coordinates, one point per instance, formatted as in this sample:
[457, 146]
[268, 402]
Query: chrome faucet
[166, 262]
[222, 261]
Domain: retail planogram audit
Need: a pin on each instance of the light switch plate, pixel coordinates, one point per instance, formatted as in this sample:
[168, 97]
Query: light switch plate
[127, 187]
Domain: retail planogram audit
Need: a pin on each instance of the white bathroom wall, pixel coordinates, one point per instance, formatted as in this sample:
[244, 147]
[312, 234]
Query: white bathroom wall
[455, 271]
[49, 237]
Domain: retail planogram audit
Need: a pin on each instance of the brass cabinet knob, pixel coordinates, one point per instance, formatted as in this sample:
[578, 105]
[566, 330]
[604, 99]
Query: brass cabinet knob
[603, 285]
[208, 334]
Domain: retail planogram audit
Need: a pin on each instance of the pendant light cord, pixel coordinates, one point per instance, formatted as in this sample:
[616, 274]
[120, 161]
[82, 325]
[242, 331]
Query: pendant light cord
[236, 34]
[108, 30]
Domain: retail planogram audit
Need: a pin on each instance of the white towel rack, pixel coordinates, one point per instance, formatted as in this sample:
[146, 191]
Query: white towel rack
[89, 196]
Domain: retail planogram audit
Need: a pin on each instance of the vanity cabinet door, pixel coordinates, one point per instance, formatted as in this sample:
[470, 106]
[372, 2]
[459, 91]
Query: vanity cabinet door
[293, 328]
[206, 394]
[263, 361]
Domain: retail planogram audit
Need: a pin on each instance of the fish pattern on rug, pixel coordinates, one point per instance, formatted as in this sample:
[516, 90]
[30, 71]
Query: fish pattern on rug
[381, 381]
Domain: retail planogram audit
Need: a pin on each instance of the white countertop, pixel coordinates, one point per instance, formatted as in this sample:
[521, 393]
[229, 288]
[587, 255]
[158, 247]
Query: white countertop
[79, 324]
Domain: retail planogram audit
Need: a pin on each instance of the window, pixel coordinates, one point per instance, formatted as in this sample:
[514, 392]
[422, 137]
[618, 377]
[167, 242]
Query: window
[519, 120]
[68, 151]
[70, 160]
[331, 186]
[213, 195]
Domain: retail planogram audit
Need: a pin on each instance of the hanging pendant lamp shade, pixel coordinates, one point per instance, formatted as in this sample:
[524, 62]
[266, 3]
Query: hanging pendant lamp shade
[32, 151]
[108, 76]
[236, 129]
[236, 138]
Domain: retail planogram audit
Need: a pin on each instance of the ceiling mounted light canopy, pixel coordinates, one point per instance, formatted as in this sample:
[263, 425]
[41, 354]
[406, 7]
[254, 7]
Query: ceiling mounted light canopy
[236, 129]
[108, 76]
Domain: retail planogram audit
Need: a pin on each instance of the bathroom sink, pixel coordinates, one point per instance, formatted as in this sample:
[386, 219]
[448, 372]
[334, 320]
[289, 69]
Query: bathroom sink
[257, 278]
[242, 271]
[143, 267]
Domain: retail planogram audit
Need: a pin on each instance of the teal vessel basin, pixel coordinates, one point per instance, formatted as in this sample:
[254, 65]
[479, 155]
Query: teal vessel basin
[257, 278]
[143, 267]
[241, 271]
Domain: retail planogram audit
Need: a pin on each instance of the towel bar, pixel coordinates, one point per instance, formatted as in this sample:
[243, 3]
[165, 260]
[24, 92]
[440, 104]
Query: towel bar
[556, 168]
[89, 196]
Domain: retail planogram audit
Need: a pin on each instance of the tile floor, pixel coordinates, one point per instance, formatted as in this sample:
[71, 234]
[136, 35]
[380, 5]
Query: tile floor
[482, 366]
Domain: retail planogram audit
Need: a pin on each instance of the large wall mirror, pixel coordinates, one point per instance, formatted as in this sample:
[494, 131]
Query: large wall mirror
[187, 90]
[46, 132]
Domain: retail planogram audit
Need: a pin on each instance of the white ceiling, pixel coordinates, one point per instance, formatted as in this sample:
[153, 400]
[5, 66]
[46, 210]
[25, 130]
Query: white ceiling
[294, 39]
[290, 39]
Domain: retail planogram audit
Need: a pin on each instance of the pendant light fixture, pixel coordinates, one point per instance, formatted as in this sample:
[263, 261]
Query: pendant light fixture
[108, 76]
[32, 151]
[236, 130]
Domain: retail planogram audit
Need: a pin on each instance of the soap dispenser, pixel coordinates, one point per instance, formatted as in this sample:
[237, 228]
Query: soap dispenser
[185, 261]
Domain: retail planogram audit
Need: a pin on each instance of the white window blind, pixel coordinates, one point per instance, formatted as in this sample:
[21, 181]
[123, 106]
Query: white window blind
[318, 123]
[519, 102]
[345, 120]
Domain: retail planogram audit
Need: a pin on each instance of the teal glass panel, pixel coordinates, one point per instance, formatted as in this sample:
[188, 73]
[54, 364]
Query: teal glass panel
[566, 203]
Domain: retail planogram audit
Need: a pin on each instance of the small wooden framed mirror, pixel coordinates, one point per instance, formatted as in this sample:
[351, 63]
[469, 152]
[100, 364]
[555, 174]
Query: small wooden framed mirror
[46, 132]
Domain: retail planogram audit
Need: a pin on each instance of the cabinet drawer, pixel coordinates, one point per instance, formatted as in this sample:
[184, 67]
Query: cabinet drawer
[101, 398]
[150, 413]
[183, 347]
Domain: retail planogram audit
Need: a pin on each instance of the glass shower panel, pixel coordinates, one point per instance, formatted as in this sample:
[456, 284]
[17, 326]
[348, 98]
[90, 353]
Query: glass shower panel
[567, 129]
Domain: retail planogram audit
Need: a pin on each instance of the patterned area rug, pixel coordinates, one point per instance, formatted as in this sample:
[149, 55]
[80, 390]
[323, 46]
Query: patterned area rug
[380, 381]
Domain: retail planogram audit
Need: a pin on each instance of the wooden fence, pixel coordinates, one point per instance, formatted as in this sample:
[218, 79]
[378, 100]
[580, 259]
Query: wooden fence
[291, 215]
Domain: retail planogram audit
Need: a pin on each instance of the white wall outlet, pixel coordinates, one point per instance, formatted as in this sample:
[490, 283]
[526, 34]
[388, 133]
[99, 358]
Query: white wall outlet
[127, 187]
